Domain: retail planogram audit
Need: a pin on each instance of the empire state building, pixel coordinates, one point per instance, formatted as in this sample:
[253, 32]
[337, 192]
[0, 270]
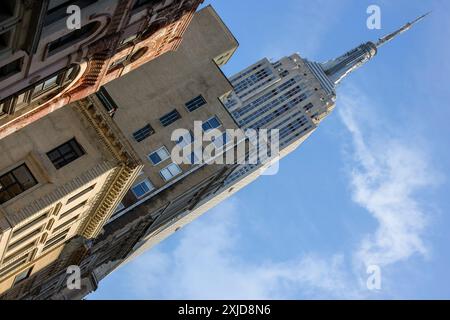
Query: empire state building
[293, 94]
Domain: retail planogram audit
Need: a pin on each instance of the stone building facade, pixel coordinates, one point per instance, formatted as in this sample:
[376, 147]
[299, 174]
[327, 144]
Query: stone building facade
[44, 65]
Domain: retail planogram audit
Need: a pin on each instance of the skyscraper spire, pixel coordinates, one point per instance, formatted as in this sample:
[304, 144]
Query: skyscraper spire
[394, 34]
[337, 69]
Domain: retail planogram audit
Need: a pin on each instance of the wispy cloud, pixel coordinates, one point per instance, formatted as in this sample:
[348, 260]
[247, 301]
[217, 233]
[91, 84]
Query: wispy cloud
[206, 265]
[387, 176]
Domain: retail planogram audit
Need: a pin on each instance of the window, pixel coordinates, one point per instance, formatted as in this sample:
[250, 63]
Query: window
[73, 37]
[308, 107]
[11, 68]
[139, 3]
[211, 124]
[195, 103]
[107, 101]
[15, 182]
[25, 274]
[170, 171]
[185, 140]
[44, 86]
[158, 156]
[143, 133]
[65, 153]
[170, 118]
[4, 107]
[142, 188]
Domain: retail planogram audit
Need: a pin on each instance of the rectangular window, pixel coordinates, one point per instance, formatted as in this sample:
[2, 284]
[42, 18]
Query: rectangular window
[195, 103]
[185, 140]
[143, 133]
[65, 153]
[15, 182]
[170, 171]
[212, 123]
[11, 68]
[170, 118]
[22, 276]
[158, 156]
[142, 188]
[107, 101]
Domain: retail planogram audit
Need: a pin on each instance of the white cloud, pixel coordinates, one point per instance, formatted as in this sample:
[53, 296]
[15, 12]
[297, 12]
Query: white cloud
[206, 265]
[387, 177]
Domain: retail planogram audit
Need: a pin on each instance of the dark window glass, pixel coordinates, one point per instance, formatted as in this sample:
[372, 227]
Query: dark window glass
[170, 118]
[155, 158]
[143, 133]
[11, 68]
[211, 124]
[73, 37]
[22, 276]
[65, 153]
[107, 101]
[195, 103]
[139, 3]
[15, 182]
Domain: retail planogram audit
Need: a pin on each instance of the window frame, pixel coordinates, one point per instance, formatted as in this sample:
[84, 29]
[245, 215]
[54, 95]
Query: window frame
[25, 275]
[176, 114]
[195, 103]
[156, 152]
[138, 133]
[172, 175]
[16, 182]
[208, 121]
[145, 182]
[62, 156]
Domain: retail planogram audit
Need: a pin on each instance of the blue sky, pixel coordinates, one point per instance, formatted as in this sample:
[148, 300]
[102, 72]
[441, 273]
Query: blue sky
[370, 186]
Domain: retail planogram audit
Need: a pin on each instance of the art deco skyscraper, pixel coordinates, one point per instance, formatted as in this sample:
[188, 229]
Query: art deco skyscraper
[293, 94]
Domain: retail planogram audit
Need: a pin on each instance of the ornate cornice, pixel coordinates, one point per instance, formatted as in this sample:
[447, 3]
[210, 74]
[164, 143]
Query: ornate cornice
[121, 178]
